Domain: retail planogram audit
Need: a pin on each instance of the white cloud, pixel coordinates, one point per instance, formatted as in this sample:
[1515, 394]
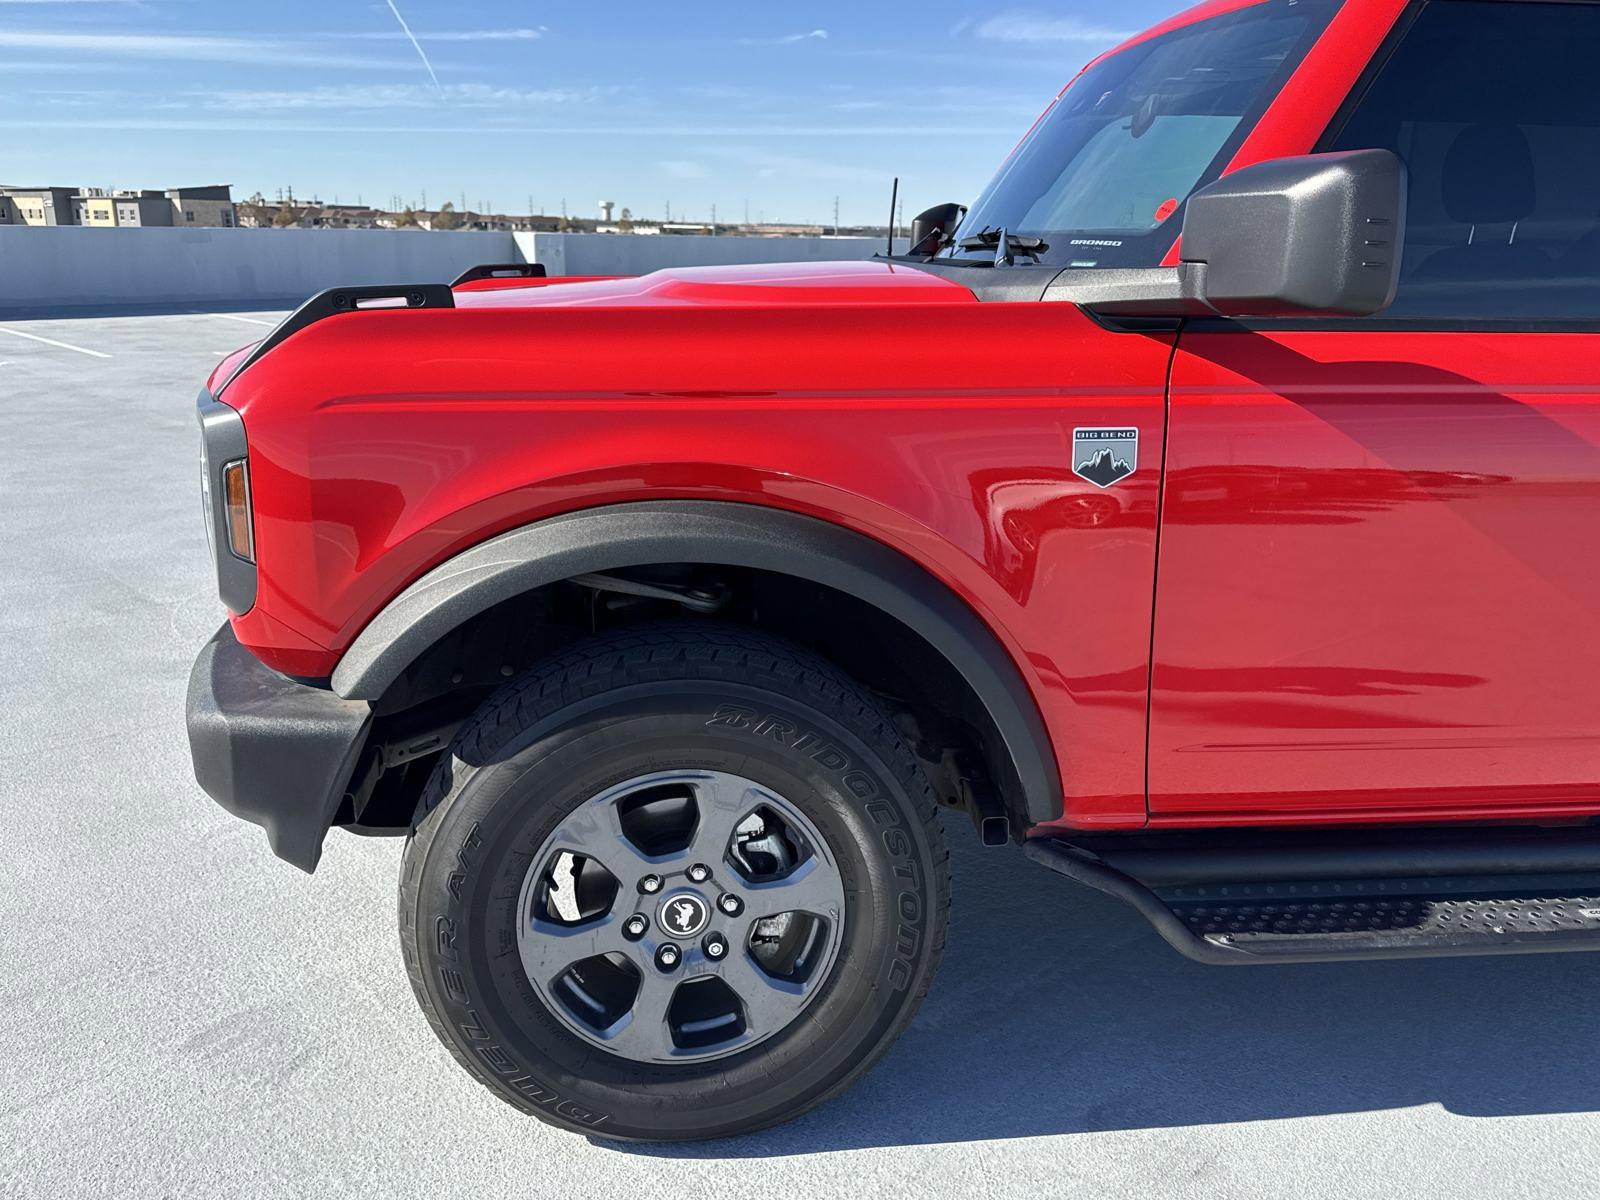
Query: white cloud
[1036, 27]
[394, 95]
[486, 35]
[479, 128]
[816, 35]
[185, 47]
[681, 168]
[455, 35]
[63, 66]
[766, 165]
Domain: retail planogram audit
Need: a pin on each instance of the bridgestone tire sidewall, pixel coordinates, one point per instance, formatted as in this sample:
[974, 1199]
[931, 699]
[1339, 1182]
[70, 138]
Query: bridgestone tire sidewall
[481, 841]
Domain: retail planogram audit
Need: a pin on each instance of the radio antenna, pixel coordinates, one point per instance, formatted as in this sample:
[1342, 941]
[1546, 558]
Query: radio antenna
[894, 202]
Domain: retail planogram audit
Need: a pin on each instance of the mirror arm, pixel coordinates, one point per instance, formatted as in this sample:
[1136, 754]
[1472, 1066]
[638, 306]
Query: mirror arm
[1138, 292]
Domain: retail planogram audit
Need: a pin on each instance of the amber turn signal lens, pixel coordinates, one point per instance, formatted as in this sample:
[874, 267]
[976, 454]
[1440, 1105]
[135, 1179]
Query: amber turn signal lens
[236, 499]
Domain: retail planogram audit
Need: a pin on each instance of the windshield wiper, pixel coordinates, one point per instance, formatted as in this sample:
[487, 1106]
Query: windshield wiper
[1006, 246]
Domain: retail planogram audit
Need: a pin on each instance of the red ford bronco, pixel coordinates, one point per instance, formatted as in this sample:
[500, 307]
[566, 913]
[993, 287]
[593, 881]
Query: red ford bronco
[1247, 575]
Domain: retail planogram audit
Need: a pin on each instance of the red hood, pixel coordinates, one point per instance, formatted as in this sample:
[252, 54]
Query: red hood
[766, 286]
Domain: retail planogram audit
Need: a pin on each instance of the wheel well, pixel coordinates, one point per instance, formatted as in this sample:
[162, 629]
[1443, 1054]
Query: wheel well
[937, 709]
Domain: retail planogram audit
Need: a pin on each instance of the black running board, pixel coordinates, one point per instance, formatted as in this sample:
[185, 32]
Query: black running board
[1349, 920]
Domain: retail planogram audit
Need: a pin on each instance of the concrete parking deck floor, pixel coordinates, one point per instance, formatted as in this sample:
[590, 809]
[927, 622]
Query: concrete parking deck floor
[183, 1015]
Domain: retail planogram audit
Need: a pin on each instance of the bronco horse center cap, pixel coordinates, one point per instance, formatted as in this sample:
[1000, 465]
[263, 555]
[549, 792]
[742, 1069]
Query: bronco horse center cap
[683, 915]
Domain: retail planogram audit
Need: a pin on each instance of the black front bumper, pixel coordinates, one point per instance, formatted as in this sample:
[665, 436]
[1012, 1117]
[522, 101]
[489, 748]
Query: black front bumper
[275, 752]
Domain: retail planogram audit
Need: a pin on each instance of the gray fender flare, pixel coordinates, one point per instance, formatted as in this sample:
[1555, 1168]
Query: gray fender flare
[720, 533]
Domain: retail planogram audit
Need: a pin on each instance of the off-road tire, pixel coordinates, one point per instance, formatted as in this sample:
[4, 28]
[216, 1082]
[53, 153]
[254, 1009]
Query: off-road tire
[695, 696]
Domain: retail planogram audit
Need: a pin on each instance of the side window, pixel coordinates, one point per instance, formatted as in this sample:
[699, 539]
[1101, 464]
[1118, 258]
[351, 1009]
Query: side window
[1493, 106]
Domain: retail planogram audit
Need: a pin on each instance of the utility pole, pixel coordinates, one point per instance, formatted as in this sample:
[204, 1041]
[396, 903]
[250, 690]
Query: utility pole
[713, 220]
[836, 216]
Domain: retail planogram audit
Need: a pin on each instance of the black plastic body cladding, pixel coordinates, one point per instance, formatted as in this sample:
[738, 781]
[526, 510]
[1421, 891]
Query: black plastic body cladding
[634, 535]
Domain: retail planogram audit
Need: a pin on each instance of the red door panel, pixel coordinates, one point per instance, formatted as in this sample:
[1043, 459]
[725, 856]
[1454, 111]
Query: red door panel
[1379, 589]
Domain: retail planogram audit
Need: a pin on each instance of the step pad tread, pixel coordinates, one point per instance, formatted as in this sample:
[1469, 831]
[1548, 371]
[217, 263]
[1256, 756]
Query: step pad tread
[1350, 919]
[1415, 916]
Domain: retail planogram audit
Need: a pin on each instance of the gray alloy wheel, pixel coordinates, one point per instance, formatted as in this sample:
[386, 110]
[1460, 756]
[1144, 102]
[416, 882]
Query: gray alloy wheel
[678, 882]
[680, 916]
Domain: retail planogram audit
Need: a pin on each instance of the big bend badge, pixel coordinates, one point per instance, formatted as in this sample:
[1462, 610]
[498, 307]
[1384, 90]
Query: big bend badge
[1105, 456]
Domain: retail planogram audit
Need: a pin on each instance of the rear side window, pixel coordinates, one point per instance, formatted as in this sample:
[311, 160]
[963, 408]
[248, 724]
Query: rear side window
[1494, 106]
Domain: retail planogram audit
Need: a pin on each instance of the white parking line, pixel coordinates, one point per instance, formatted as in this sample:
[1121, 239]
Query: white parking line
[246, 320]
[34, 337]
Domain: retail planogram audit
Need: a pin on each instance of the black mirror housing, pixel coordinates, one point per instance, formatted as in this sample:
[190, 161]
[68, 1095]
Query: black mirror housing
[931, 226]
[1320, 234]
[1315, 235]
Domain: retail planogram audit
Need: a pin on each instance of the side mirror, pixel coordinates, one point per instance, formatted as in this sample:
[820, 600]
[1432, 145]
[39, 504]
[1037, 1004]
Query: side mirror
[930, 227]
[1316, 235]
[1319, 234]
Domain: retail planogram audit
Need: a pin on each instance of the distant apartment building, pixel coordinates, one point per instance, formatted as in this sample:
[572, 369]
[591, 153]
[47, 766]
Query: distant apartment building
[410, 218]
[259, 213]
[340, 216]
[535, 223]
[514, 223]
[782, 230]
[208, 207]
[39, 205]
[191, 207]
[255, 213]
[100, 209]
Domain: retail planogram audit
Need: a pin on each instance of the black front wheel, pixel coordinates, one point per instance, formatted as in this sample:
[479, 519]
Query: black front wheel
[679, 883]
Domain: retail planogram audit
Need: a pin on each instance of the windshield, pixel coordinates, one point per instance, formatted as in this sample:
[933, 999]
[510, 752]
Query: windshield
[1103, 177]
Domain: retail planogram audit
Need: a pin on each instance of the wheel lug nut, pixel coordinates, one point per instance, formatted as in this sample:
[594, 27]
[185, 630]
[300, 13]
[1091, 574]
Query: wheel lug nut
[730, 904]
[635, 926]
[650, 884]
[715, 946]
[699, 873]
[667, 956]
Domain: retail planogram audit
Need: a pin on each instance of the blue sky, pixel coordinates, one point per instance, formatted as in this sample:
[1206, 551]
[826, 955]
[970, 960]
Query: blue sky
[778, 107]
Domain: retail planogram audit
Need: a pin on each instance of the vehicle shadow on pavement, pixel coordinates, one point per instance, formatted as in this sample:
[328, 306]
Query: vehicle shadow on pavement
[1059, 1011]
